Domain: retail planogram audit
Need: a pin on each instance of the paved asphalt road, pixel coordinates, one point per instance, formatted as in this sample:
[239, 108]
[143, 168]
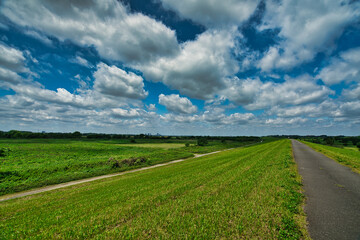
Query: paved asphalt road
[332, 195]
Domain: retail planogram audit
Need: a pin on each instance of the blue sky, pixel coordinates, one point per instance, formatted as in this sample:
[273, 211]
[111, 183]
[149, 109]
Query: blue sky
[186, 67]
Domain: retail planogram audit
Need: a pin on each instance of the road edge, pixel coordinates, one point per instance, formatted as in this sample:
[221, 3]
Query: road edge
[301, 218]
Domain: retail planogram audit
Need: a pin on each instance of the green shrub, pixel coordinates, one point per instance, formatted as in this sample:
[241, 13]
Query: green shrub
[4, 152]
[202, 142]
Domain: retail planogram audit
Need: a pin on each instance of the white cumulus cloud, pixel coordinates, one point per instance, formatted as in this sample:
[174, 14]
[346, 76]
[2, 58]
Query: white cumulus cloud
[212, 12]
[199, 68]
[114, 81]
[177, 104]
[306, 28]
[255, 94]
[346, 68]
[105, 24]
[11, 58]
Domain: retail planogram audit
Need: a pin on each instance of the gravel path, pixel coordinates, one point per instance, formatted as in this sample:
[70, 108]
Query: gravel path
[332, 195]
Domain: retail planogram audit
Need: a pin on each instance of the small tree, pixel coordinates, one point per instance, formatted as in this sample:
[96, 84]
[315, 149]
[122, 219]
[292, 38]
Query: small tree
[187, 144]
[76, 134]
[358, 145]
[329, 141]
[202, 142]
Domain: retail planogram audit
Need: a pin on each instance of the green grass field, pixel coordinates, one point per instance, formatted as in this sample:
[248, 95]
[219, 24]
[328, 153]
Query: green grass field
[348, 157]
[41, 162]
[250, 193]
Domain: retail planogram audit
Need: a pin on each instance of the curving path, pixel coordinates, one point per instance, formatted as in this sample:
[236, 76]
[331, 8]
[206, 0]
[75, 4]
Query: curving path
[332, 195]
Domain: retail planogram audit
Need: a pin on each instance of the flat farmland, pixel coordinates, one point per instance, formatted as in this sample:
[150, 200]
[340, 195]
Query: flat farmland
[41, 162]
[251, 193]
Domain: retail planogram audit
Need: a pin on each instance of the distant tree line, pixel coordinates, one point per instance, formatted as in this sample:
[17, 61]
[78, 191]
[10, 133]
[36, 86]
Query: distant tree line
[339, 141]
[15, 134]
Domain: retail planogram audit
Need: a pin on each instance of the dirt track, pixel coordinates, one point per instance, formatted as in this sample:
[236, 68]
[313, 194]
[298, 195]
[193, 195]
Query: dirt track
[332, 195]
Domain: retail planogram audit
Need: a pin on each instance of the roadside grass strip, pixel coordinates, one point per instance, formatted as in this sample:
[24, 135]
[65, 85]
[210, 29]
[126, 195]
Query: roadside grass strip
[252, 192]
[345, 156]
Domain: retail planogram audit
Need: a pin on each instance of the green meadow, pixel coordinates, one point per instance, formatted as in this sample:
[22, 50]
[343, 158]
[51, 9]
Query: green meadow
[245, 193]
[347, 156]
[30, 163]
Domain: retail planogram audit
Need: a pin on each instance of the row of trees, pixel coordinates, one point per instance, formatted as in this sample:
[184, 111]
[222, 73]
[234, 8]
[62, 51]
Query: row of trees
[15, 134]
[339, 141]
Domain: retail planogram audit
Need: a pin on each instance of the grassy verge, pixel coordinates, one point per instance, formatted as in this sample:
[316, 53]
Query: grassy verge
[251, 193]
[347, 157]
[41, 162]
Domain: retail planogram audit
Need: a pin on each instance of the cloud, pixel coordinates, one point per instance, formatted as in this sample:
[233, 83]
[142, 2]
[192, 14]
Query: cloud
[11, 58]
[177, 104]
[306, 28]
[214, 117]
[12, 62]
[113, 87]
[151, 107]
[39, 36]
[114, 81]
[213, 13]
[8, 76]
[81, 61]
[254, 94]
[348, 110]
[105, 24]
[170, 117]
[60, 96]
[352, 93]
[286, 121]
[324, 109]
[243, 92]
[217, 116]
[199, 68]
[346, 68]
[127, 113]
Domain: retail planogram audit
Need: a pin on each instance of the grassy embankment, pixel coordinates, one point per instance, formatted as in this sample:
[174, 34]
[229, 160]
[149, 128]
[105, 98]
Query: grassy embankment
[345, 156]
[251, 193]
[41, 162]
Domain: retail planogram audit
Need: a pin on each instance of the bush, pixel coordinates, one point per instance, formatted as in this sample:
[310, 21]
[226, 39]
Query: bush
[329, 141]
[4, 152]
[358, 145]
[202, 142]
[187, 144]
[129, 162]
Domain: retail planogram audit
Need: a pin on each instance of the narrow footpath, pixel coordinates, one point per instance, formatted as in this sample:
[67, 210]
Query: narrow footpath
[332, 195]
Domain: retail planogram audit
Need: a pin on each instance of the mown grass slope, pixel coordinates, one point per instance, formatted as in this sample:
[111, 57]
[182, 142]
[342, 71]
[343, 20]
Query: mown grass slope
[251, 193]
[347, 157]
